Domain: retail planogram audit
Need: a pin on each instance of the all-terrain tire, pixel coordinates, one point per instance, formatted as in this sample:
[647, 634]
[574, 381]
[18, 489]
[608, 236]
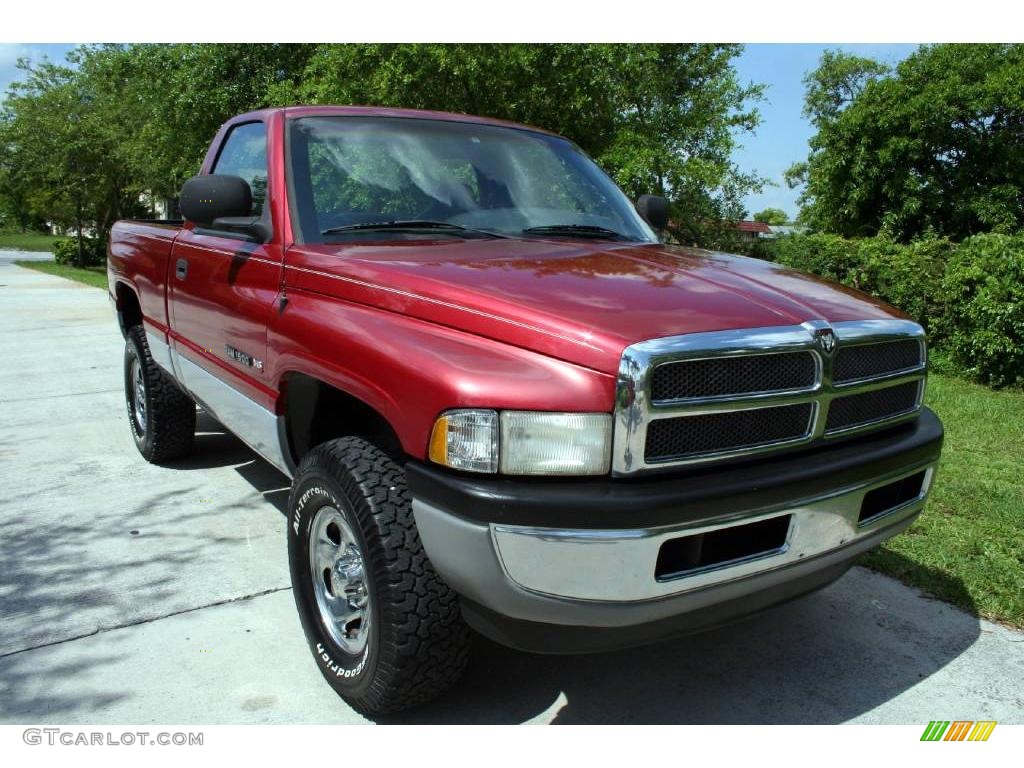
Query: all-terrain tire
[167, 426]
[416, 644]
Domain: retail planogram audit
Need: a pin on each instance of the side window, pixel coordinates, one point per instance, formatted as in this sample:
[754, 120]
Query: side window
[245, 154]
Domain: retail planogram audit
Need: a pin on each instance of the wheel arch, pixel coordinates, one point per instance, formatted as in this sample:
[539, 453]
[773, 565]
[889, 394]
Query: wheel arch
[314, 411]
[129, 308]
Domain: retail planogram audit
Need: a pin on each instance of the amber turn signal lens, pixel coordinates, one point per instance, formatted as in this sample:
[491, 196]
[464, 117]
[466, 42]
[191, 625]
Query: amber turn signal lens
[439, 441]
[467, 440]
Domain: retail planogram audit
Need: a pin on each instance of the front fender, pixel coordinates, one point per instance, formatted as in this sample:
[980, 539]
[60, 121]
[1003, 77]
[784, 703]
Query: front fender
[410, 370]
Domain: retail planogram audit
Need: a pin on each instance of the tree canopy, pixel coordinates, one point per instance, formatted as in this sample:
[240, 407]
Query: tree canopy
[87, 138]
[772, 216]
[935, 145]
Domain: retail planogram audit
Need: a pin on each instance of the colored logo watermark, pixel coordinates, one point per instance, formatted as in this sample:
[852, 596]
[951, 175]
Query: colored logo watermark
[958, 730]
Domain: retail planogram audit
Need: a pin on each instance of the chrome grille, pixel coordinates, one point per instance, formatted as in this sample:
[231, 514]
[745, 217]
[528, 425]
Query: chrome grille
[712, 432]
[725, 376]
[863, 361]
[709, 396]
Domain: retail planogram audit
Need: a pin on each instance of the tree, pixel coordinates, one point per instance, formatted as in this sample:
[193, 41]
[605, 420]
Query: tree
[772, 216]
[934, 146]
[181, 94]
[84, 141]
[659, 118]
[836, 83]
[16, 194]
[60, 151]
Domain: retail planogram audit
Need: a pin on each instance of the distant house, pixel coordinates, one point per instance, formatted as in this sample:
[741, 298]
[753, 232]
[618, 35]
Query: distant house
[159, 207]
[786, 229]
[756, 230]
[753, 230]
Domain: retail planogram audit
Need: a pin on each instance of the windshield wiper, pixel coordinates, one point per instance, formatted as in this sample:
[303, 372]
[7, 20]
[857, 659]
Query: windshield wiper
[408, 224]
[578, 230]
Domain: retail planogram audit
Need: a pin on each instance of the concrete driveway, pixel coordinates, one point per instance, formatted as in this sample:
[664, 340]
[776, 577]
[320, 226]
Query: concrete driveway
[138, 594]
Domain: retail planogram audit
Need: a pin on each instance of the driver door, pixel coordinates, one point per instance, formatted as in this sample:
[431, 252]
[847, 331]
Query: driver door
[223, 289]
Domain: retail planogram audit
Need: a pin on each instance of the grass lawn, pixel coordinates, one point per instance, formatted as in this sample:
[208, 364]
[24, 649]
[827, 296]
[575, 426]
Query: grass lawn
[94, 276]
[27, 241]
[968, 545]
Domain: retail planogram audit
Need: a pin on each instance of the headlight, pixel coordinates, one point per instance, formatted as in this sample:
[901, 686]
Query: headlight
[523, 442]
[555, 443]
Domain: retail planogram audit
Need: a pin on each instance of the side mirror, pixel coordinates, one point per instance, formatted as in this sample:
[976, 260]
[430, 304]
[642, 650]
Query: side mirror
[221, 202]
[654, 210]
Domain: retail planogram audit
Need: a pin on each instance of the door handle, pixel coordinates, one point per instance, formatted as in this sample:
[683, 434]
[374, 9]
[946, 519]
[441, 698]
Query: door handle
[181, 269]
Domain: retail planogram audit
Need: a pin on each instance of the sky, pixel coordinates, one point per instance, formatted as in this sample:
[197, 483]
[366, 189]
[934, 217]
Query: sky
[778, 142]
[11, 52]
[782, 137]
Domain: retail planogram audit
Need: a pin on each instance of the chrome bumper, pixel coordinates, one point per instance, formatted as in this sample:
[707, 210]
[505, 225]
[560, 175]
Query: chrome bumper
[598, 577]
[619, 565]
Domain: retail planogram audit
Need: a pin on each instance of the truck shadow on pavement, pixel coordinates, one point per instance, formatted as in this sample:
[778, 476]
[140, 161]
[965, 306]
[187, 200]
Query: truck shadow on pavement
[216, 447]
[825, 658]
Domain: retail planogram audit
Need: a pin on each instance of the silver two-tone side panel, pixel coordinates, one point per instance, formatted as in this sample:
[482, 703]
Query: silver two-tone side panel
[161, 353]
[253, 424]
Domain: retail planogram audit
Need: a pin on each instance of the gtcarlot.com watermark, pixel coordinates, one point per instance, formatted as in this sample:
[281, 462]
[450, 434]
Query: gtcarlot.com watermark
[74, 738]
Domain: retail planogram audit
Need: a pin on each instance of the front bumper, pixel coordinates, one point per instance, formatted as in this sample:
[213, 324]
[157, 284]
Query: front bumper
[573, 566]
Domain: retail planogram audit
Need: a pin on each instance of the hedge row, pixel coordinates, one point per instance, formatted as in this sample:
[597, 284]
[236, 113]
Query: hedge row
[94, 251]
[968, 295]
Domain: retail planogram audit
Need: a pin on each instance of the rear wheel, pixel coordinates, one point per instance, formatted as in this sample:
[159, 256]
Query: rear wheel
[386, 632]
[161, 416]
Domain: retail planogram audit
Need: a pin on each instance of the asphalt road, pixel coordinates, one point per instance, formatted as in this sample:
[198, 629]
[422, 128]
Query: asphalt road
[138, 594]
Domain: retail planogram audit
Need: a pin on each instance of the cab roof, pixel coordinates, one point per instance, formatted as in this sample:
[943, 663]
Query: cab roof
[363, 111]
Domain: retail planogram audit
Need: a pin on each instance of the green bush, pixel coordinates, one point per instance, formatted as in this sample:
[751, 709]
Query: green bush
[982, 327]
[968, 296]
[829, 256]
[907, 276]
[94, 251]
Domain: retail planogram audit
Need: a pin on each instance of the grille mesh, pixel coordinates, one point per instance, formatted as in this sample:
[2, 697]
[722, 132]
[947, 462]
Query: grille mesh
[733, 376]
[867, 407]
[864, 360]
[713, 432]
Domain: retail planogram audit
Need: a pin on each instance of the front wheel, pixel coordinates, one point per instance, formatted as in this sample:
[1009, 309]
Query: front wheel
[385, 630]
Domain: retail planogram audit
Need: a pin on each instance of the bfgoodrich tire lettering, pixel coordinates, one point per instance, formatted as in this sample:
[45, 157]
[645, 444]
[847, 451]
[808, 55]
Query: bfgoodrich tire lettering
[416, 645]
[162, 417]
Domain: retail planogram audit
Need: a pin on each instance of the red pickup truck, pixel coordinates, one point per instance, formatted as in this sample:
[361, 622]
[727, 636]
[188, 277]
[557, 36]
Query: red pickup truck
[503, 402]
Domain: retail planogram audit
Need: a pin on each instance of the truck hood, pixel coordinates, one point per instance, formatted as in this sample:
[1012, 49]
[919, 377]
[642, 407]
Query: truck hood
[583, 302]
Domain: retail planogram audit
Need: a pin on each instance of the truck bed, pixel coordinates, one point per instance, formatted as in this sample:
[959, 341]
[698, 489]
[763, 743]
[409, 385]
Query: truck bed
[138, 255]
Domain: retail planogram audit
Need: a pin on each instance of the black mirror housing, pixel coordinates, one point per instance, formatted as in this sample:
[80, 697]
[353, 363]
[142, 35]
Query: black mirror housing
[654, 210]
[209, 197]
[250, 226]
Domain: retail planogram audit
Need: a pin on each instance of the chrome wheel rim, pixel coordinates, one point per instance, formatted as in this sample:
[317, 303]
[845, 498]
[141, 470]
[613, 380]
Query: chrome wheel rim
[138, 385]
[339, 580]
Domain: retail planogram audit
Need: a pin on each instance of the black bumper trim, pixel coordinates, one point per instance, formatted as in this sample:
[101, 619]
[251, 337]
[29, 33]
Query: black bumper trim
[706, 494]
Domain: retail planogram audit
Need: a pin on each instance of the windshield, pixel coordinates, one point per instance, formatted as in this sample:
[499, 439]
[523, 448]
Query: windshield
[480, 179]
